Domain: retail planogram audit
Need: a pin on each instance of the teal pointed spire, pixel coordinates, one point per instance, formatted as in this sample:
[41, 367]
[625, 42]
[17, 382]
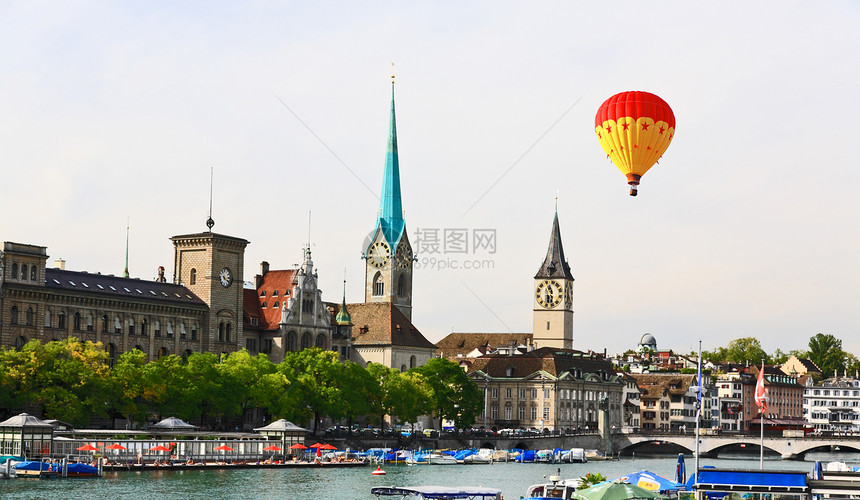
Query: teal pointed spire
[390, 206]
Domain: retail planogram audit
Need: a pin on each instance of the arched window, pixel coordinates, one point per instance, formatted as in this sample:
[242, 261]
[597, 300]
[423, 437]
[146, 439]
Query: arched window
[169, 328]
[105, 323]
[15, 270]
[144, 327]
[76, 321]
[401, 286]
[163, 352]
[307, 341]
[378, 285]
[89, 322]
[402, 368]
[413, 362]
[182, 332]
[221, 332]
[131, 326]
[117, 325]
[32, 273]
[23, 271]
[13, 319]
[228, 332]
[61, 320]
[193, 279]
[277, 305]
[292, 341]
[47, 318]
[321, 341]
[157, 328]
[20, 342]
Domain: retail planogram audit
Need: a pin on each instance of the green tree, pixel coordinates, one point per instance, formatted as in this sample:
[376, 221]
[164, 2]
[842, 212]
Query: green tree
[826, 352]
[746, 350]
[410, 396]
[70, 379]
[17, 379]
[126, 382]
[456, 397]
[167, 387]
[315, 373]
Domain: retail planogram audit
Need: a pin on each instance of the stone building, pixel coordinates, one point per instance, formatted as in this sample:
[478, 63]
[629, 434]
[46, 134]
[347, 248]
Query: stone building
[548, 389]
[197, 312]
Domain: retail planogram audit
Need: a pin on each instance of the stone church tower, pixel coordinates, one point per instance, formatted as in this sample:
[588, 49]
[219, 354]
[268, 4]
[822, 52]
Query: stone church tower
[388, 255]
[553, 296]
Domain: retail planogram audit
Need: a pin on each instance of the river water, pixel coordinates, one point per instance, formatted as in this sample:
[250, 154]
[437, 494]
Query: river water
[350, 483]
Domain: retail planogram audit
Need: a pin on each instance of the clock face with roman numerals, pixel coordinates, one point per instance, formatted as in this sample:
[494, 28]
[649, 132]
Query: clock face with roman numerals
[403, 256]
[549, 293]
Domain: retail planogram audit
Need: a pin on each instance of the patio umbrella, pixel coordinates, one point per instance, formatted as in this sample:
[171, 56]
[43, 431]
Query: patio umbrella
[328, 447]
[617, 491]
[316, 445]
[223, 447]
[272, 448]
[87, 447]
[651, 481]
[115, 446]
[298, 446]
[159, 448]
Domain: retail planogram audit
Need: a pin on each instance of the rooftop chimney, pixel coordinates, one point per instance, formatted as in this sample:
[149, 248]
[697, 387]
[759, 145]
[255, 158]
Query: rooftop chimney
[60, 264]
[161, 278]
[264, 267]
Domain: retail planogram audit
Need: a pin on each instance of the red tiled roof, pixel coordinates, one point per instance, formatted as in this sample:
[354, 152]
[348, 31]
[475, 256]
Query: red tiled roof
[274, 281]
[382, 323]
[459, 343]
[251, 309]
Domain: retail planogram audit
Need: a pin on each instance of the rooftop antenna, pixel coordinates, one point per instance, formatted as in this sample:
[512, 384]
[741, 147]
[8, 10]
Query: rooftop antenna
[209, 222]
[127, 226]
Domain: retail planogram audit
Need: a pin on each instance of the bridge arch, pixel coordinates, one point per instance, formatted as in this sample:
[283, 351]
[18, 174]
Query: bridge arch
[654, 446]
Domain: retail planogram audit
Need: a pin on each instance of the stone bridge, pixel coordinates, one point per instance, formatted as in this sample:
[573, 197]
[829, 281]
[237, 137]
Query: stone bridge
[627, 444]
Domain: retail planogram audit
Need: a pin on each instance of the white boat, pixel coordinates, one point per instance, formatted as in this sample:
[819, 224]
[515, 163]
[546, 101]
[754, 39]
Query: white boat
[574, 455]
[438, 492]
[555, 488]
[544, 456]
[441, 459]
[477, 459]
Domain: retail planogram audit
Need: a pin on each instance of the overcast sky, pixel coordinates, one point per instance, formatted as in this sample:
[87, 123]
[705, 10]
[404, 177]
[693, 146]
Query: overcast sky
[748, 226]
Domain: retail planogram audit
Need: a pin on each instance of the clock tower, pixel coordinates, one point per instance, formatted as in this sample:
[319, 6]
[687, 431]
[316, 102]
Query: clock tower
[211, 265]
[553, 296]
[388, 254]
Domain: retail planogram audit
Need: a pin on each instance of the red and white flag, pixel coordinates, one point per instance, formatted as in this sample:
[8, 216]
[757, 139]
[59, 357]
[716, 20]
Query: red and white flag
[760, 391]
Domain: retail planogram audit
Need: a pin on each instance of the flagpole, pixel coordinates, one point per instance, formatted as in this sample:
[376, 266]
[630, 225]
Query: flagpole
[761, 424]
[698, 410]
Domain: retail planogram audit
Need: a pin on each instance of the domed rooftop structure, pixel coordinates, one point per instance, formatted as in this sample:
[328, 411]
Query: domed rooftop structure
[647, 342]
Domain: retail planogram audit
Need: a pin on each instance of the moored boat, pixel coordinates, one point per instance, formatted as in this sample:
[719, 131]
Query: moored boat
[35, 469]
[438, 492]
[555, 488]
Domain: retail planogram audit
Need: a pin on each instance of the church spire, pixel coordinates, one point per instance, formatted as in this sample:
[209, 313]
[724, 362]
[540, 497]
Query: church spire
[390, 205]
[555, 265]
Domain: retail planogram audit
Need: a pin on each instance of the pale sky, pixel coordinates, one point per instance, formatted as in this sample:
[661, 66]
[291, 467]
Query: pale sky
[748, 226]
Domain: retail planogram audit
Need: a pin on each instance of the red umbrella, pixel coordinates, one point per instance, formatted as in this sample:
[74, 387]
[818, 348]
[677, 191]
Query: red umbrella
[159, 448]
[116, 446]
[223, 447]
[298, 446]
[272, 448]
[328, 447]
[316, 445]
[88, 447]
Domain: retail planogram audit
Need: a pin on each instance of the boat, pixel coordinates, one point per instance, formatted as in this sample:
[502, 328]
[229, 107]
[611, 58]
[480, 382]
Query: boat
[439, 458]
[555, 488]
[6, 464]
[35, 469]
[545, 456]
[438, 492]
[77, 469]
[476, 459]
[574, 456]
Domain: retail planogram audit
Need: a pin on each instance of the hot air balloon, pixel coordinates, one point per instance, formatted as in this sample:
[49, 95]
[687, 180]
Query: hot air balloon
[634, 129]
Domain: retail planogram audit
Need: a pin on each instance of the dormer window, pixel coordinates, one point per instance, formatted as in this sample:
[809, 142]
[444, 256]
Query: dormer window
[275, 293]
[263, 293]
[263, 305]
[509, 371]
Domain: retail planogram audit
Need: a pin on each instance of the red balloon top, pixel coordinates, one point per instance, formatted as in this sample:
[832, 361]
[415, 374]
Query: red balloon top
[635, 104]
